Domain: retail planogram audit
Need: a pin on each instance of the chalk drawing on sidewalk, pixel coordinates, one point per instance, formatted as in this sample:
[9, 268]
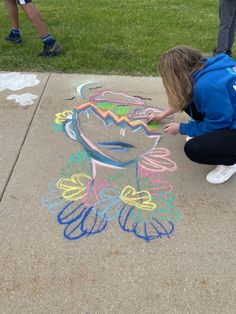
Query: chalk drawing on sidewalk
[16, 81]
[81, 89]
[144, 113]
[116, 175]
[108, 96]
[23, 100]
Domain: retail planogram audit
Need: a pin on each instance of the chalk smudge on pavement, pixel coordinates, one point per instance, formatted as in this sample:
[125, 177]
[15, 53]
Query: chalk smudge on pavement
[23, 99]
[16, 81]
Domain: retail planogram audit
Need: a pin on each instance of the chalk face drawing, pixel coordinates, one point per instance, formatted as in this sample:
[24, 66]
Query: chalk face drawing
[16, 81]
[24, 99]
[117, 174]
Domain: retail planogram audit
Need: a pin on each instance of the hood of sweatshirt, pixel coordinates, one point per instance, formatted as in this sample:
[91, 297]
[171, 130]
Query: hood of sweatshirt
[219, 62]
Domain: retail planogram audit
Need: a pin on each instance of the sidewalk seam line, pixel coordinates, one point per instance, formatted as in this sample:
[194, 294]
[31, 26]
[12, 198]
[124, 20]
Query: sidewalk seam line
[24, 139]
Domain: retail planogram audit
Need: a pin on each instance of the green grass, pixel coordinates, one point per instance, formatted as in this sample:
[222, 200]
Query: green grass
[110, 36]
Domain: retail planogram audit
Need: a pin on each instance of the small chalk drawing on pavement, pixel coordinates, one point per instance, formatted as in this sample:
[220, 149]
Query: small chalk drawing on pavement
[23, 100]
[17, 81]
[114, 140]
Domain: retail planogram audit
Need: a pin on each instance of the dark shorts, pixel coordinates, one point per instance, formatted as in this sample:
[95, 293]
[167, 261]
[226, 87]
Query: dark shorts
[23, 1]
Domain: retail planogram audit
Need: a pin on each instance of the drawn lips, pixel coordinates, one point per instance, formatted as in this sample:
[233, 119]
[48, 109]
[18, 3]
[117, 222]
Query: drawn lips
[116, 146]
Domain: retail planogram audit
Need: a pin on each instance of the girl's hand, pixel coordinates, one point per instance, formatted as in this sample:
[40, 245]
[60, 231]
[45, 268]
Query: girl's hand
[152, 117]
[171, 128]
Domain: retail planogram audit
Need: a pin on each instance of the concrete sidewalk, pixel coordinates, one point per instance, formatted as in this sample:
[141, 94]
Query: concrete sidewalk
[188, 269]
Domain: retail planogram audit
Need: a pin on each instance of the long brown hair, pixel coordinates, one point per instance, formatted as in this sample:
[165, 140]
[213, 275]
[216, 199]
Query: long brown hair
[176, 68]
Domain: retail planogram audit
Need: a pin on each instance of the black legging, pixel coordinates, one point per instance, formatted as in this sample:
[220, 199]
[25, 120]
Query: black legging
[216, 148]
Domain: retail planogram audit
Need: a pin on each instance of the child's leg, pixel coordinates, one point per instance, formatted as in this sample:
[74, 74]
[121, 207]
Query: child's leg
[227, 13]
[34, 16]
[14, 35]
[51, 47]
[232, 30]
[217, 148]
[12, 10]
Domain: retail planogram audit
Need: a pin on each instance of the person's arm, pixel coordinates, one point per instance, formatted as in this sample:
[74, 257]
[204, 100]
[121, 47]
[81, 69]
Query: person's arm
[217, 110]
[172, 128]
[160, 115]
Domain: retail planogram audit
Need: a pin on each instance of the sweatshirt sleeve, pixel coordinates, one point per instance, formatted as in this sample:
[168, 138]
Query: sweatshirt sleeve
[215, 105]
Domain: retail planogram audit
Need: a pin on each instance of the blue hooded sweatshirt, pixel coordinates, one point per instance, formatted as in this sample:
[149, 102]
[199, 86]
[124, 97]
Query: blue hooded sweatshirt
[214, 94]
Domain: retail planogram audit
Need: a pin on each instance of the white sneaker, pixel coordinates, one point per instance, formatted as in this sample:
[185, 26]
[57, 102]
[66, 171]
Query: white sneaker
[188, 138]
[221, 174]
